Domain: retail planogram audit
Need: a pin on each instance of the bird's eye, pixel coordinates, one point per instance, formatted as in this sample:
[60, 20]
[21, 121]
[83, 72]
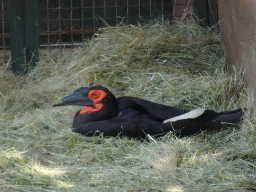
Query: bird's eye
[94, 95]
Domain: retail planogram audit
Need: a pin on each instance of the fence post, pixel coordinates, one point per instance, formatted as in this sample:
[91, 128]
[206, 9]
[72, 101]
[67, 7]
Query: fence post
[24, 23]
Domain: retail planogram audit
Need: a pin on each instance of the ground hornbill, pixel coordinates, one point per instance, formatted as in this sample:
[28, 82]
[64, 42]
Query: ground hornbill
[134, 117]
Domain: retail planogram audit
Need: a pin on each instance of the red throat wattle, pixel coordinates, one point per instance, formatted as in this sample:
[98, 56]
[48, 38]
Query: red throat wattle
[89, 109]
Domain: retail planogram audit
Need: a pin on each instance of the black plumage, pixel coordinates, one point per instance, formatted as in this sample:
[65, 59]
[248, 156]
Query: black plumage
[134, 117]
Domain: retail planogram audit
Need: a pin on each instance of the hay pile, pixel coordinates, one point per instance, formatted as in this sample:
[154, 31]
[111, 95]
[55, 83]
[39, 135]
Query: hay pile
[179, 65]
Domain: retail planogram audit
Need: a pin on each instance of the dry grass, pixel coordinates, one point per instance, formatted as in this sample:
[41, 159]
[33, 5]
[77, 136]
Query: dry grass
[179, 65]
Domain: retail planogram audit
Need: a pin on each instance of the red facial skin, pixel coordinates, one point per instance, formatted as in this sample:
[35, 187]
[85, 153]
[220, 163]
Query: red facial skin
[96, 96]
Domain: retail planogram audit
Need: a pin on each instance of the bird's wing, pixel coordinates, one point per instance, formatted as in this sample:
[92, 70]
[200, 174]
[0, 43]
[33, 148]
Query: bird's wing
[122, 126]
[158, 110]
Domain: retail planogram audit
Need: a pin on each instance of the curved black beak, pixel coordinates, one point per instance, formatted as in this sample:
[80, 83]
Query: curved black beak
[79, 97]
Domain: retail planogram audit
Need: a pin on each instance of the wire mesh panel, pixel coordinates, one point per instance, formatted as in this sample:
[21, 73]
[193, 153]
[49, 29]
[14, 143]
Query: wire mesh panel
[70, 21]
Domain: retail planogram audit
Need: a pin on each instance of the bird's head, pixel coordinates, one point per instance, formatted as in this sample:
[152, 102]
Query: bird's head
[99, 102]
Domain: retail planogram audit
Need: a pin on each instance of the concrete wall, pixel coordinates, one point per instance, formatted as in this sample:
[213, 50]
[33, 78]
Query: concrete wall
[238, 25]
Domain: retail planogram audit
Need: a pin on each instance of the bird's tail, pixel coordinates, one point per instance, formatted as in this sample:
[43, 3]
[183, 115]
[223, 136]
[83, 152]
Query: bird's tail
[228, 117]
[199, 120]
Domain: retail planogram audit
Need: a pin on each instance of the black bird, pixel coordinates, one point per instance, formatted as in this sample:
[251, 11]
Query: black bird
[134, 117]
